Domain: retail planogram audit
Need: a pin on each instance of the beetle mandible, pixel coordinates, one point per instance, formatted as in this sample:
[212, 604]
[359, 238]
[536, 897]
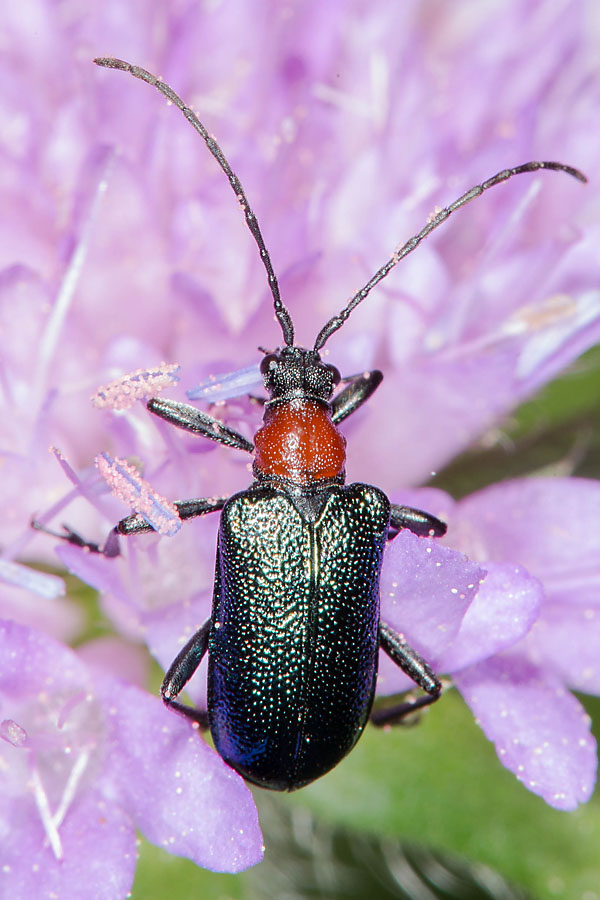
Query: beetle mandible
[294, 634]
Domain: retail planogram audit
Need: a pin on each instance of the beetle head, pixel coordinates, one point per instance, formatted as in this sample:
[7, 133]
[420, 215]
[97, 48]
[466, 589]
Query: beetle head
[294, 372]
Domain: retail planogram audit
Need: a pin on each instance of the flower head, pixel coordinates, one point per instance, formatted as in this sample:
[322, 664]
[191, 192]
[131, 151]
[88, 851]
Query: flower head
[122, 248]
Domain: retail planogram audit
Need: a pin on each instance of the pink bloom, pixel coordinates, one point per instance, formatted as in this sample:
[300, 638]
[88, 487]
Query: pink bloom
[122, 247]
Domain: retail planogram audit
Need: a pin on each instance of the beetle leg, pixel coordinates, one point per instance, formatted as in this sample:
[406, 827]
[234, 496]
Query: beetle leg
[187, 509]
[358, 391]
[110, 547]
[191, 419]
[134, 524]
[417, 521]
[415, 667]
[181, 670]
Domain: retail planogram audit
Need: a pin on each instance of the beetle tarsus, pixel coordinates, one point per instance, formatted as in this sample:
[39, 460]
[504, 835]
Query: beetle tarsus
[400, 652]
[110, 548]
[417, 521]
[395, 715]
[197, 716]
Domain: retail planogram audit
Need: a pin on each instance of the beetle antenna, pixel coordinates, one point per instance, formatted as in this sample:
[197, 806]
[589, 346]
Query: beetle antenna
[282, 314]
[337, 321]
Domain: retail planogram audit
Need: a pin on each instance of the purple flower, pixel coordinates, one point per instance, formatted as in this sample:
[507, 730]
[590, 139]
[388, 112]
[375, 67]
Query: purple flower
[122, 247]
[85, 760]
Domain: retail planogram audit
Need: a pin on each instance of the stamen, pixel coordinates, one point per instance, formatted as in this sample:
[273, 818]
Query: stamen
[68, 795]
[41, 800]
[40, 583]
[123, 392]
[72, 273]
[126, 483]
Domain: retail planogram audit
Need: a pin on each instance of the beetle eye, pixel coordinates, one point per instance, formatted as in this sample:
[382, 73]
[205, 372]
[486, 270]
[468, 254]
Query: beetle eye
[335, 375]
[267, 363]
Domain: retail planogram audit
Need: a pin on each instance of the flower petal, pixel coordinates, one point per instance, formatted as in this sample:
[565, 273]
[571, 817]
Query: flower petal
[541, 732]
[59, 835]
[549, 525]
[181, 794]
[503, 611]
[426, 589]
[97, 847]
[96, 570]
[231, 384]
[567, 640]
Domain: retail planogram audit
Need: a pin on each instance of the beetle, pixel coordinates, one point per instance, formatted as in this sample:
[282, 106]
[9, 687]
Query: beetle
[295, 630]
